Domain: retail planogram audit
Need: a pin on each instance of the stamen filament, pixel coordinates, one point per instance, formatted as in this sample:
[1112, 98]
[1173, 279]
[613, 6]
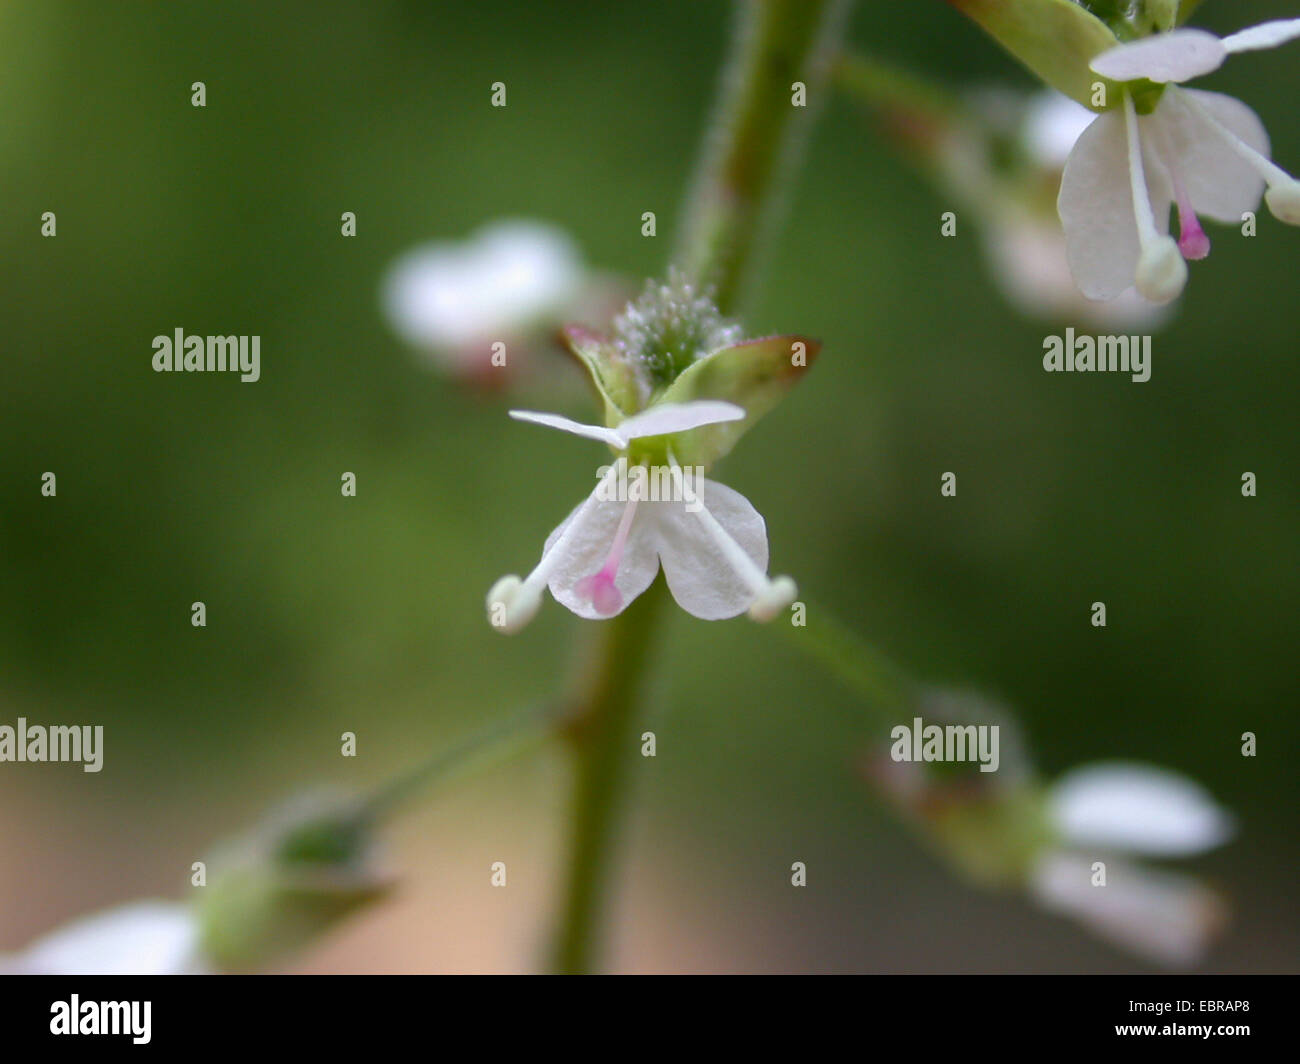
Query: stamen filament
[1267, 169]
[1146, 219]
[1161, 272]
[741, 563]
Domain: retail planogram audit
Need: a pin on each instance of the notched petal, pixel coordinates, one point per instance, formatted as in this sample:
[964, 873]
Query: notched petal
[700, 577]
[1177, 56]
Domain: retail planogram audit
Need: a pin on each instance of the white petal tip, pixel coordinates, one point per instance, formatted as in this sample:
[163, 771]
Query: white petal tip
[773, 599]
[1265, 35]
[1284, 201]
[1161, 271]
[564, 424]
[511, 604]
[1137, 808]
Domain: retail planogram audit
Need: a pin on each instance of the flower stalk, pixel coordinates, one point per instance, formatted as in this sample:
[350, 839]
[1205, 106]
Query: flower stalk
[601, 733]
[757, 137]
[751, 149]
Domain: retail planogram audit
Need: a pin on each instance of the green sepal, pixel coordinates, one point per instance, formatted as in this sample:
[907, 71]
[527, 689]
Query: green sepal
[995, 838]
[287, 882]
[1056, 39]
[253, 916]
[614, 379]
[755, 375]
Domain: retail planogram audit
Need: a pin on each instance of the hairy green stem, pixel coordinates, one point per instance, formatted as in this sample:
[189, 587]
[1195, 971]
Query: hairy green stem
[602, 732]
[756, 137]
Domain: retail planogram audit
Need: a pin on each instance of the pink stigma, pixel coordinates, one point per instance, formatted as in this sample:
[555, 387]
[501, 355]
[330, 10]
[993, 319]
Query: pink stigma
[1192, 241]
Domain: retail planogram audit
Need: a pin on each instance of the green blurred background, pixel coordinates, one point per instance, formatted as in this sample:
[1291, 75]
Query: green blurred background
[328, 614]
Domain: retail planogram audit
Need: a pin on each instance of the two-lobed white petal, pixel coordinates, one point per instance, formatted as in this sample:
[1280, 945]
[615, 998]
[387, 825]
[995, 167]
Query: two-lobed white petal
[698, 575]
[664, 419]
[1175, 56]
[1219, 182]
[1185, 53]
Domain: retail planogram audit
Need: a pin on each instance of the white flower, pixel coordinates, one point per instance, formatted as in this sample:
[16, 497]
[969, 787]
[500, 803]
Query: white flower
[1020, 228]
[1204, 152]
[1167, 917]
[143, 938]
[713, 547]
[455, 298]
[1137, 809]
[1122, 807]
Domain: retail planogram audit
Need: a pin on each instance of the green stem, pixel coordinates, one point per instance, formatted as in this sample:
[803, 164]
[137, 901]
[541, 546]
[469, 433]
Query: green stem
[513, 734]
[603, 736]
[881, 684]
[758, 136]
[894, 91]
[779, 42]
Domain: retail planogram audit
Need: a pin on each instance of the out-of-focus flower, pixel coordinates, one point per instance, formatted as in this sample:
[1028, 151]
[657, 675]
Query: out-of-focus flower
[1066, 844]
[512, 282]
[679, 388]
[1126, 808]
[274, 890]
[142, 938]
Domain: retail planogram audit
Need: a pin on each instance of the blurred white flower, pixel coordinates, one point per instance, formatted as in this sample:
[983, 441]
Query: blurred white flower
[142, 938]
[1166, 917]
[454, 299]
[1137, 808]
[1052, 125]
[1029, 264]
[1125, 807]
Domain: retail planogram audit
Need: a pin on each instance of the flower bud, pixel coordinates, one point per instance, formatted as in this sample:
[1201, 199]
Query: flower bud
[287, 883]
